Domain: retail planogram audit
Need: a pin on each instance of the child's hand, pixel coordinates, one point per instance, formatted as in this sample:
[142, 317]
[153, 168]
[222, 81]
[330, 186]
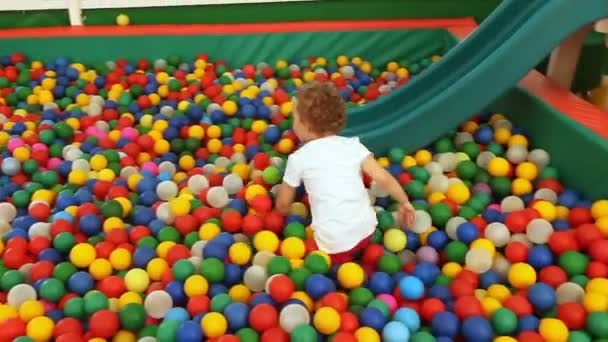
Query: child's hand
[407, 213]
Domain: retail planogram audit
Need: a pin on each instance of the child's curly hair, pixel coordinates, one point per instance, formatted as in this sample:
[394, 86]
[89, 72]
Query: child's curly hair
[321, 107]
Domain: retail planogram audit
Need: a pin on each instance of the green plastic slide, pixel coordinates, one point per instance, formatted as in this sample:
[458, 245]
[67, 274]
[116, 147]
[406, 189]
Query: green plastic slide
[508, 44]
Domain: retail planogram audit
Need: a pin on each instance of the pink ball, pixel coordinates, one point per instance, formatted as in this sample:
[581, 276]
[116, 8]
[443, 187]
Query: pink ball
[15, 143]
[482, 187]
[427, 254]
[129, 133]
[53, 163]
[38, 147]
[48, 306]
[495, 206]
[390, 301]
[150, 166]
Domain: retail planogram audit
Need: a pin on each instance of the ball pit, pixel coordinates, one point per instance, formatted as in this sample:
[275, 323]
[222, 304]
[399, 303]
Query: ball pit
[136, 204]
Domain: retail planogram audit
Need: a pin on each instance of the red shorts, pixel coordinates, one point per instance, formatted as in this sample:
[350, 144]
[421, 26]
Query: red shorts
[343, 257]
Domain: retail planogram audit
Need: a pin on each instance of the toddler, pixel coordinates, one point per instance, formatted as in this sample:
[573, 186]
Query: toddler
[330, 166]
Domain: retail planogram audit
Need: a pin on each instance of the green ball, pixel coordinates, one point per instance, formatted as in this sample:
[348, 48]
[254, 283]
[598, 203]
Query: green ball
[10, 279]
[578, 336]
[360, 296]
[396, 155]
[64, 271]
[148, 330]
[295, 229]
[380, 305]
[63, 242]
[597, 324]
[220, 302]
[504, 321]
[247, 335]
[549, 172]
[385, 220]
[111, 208]
[496, 149]
[574, 263]
[52, 290]
[95, 301]
[444, 145]
[471, 149]
[420, 174]
[299, 277]
[466, 169]
[271, 175]
[21, 198]
[443, 280]
[133, 316]
[23, 339]
[169, 234]
[30, 167]
[304, 333]
[389, 263]
[74, 308]
[212, 269]
[183, 269]
[149, 241]
[278, 265]
[415, 189]
[501, 186]
[167, 331]
[467, 212]
[422, 336]
[65, 131]
[456, 251]
[440, 214]
[316, 264]
[580, 279]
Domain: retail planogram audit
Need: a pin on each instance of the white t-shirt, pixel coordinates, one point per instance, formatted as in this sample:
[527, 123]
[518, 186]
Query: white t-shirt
[330, 168]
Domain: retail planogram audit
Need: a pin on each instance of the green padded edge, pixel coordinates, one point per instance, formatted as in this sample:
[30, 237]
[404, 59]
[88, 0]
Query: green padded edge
[580, 155]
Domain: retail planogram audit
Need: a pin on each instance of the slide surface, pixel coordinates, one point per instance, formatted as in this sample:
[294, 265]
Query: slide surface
[505, 47]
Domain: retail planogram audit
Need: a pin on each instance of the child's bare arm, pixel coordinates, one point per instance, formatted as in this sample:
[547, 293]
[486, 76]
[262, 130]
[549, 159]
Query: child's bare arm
[285, 197]
[388, 183]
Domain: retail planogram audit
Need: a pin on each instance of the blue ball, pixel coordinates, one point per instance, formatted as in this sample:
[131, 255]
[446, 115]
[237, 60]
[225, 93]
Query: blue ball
[395, 332]
[381, 282]
[413, 240]
[477, 328]
[175, 289]
[142, 256]
[409, 317]
[233, 274]
[484, 135]
[440, 292]
[438, 239]
[177, 314]
[446, 324]
[467, 232]
[489, 278]
[237, 315]
[411, 288]
[81, 283]
[272, 134]
[542, 296]
[427, 272]
[528, 323]
[189, 331]
[216, 289]
[214, 249]
[318, 285]
[373, 318]
[540, 257]
[263, 298]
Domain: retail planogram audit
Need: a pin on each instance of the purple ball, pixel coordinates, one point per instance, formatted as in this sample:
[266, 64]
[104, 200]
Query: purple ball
[482, 187]
[427, 254]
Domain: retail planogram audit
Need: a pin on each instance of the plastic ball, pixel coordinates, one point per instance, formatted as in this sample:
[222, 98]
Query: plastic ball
[522, 275]
[326, 320]
[350, 275]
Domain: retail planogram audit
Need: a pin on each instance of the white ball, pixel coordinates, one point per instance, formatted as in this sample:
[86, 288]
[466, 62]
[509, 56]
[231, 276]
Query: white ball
[158, 303]
[40, 229]
[197, 183]
[164, 213]
[262, 258]
[8, 212]
[434, 168]
[5, 227]
[292, 316]
[423, 222]
[94, 109]
[222, 162]
[147, 339]
[128, 171]
[209, 169]
[511, 203]
[212, 107]
[452, 226]
[217, 197]
[517, 154]
[569, 293]
[255, 278]
[539, 157]
[498, 233]
[197, 248]
[196, 262]
[81, 164]
[503, 123]
[102, 126]
[539, 230]
[232, 183]
[478, 260]
[347, 71]
[520, 237]
[239, 158]
[501, 266]
[20, 293]
[26, 270]
[167, 167]
[159, 64]
[438, 183]
[484, 158]
[448, 161]
[166, 190]
[463, 137]
[546, 194]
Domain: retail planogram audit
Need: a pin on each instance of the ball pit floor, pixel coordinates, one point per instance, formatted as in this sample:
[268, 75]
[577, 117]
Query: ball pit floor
[136, 204]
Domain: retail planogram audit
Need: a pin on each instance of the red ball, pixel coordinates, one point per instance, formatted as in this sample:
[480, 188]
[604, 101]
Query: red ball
[335, 300]
[38, 244]
[348, 322]
[104, 249]
[186, 224]
[516, 252]
[104, 323]
[468, 306]
[552, 184]
[112, 286]
[70, 337]
[275, 334]
[252, 224]
[14, 257]
[117, 236]
[430, 307]
[586, 234]
[281, 288]
[263, 317]
[68, 325]
[232, 221]
[517, 221]
[198, 304]
[469, 276]
[573, 315]
[40, 211]
[344, 337]
[11, 328]
[596, 269]
[137, 233]
[461, 288]
[553, 275]
[225, 338]
[598, 250]
[579, 216]
[41, 270]
[519, 305]
[177, 253]
[530, 336]
[563, 241]
[261, 203]
[372, 254]
[274, 222]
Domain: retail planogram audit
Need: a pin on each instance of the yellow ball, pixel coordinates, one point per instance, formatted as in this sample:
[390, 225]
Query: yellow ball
[230, 108]
[342, 60]
[451, 269]
[239, 293]
[122, 20]
[137, 280]
[239, 253]
[598, 285]
[100, 269]
[196, 285]
[163, 248]
[458, 192]
[7, 311]
[490, 305]
[553, 330]
[78, 177]
[128, 298]
[156, 267]
[485, 244]
[124, 336]
[285, 146]
[498, 167]
[351, 275]
[395, 240]
[498, 292]
[162, 146]
[602, 224]
[599, 209]
[21, 153]
[120, 259]
[518, 139]
[505, 339]
[196, 132]
[208, 231]
[593, 301]
[521, 186]
[186, 162]
[367, 334]
[214, 324]
[40, 329]
[423, 157]
[526, 170]
[521, 275]
[254, 190]
[82, 255]
[30, 309]
[266, 240]
[327, 320]
[293, 248]
[180, 206]
[546, 210]
[502, 135]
